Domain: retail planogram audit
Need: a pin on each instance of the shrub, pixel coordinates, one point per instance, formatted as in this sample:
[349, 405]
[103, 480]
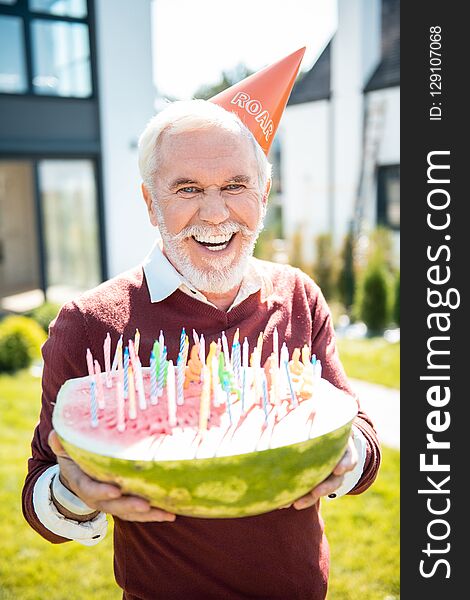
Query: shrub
[324, 269]
[347, 277]
[44, 314]
[396, 300]
[20, 342]
[373, 298]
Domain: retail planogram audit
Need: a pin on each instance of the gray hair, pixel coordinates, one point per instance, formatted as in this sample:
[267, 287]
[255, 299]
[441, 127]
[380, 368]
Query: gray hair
[189, 115]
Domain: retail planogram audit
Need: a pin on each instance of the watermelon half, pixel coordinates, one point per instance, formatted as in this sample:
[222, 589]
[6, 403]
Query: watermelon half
[261, 461]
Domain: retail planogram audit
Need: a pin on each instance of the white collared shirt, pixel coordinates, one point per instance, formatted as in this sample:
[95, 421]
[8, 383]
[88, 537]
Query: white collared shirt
[163, 279]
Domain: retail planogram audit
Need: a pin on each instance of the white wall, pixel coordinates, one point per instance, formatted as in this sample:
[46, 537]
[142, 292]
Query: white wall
[389, 149]
[305, 178]
[126, 92]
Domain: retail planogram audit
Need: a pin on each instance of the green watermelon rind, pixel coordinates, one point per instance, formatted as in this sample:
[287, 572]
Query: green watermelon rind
[226, 486]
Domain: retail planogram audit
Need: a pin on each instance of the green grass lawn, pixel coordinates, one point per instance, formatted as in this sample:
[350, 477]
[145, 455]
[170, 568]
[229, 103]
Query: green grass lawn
[373, 360]
[363, 530]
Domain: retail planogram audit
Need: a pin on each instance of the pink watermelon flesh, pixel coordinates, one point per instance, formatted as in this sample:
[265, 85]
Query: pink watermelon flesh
[249, 468]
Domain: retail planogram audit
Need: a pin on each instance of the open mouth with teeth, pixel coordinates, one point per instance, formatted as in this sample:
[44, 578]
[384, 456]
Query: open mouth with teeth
[214, 242]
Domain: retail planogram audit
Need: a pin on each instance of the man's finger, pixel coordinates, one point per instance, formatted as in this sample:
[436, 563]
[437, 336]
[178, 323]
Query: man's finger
[89, 490]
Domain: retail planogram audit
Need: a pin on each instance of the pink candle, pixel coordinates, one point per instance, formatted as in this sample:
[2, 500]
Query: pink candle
[89, 362]
[99, 385]
[107, 359]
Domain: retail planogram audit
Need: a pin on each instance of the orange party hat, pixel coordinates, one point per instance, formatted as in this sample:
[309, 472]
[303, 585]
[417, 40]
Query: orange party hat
[260, 99]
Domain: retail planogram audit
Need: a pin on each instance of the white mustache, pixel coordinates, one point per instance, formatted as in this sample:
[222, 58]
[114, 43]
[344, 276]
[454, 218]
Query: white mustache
[227, 228]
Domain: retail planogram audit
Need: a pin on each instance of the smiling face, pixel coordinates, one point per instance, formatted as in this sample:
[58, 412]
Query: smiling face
[207, 205]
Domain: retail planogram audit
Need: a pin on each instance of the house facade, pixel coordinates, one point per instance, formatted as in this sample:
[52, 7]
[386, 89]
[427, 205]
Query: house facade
[75, 92]
[340, 144]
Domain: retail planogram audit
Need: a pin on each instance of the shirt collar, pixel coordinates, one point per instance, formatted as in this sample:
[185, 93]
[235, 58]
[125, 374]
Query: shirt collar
[163, 279]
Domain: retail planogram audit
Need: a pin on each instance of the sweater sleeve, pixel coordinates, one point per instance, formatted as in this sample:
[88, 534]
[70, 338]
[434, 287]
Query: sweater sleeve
[324, 346]
[64, 358]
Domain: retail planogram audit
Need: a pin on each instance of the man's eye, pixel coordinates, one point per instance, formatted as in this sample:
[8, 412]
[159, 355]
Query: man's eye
[189, 190]
[234, 187]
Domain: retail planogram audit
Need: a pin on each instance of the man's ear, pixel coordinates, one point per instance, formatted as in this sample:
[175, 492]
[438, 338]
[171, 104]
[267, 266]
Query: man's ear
[266, 191]
[149, 202]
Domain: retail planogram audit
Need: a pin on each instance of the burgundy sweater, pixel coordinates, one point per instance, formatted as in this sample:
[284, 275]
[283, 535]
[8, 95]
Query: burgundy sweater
[279, 555]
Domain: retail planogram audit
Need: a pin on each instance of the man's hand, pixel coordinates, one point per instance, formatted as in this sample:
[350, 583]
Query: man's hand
[103, 497]
[331, 483]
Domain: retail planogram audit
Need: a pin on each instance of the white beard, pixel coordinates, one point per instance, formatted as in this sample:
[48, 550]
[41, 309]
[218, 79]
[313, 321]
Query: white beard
[222, 274]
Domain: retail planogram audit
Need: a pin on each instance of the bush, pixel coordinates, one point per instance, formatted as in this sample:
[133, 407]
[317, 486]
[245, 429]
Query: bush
[44, 314]
[347, 277]
[324, 269]
[373, 298]
[396, 301]
[20, 342]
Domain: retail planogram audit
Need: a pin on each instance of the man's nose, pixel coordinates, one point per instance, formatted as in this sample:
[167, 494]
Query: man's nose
[213, 208]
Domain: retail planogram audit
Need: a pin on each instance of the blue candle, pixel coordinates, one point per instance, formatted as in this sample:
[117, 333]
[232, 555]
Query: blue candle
[182, 338]
[291, 387]
[126, 372]
[153, 379]
[93, 405]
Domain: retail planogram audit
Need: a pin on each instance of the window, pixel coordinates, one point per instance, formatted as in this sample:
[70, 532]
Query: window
[12, 57]
[45, 48]
[61, 58]
[64, 8]
[68, 197]
[388, 196]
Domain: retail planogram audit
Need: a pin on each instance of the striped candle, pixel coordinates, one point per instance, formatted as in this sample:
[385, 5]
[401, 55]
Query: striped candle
[236, 354]
[161, 373]
[121, 418]
[126, 372]
[153, 379]
[93, 404]
[265, 398]
[170, 388]
[182, 340]
[180, 381]
[295, 402]
[107, 359]
[99, 385]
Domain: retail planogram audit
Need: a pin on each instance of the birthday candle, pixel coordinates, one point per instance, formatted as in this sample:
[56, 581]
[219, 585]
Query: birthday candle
[265, 398]
[182, 340]
[234, 343]
[215, 379]
[117, 355]
[276, 345]
[204, 407]
[284, 383]
[161, 340]
[101, 403]
[126, 372]
[121, 421]
[132, 354]
[161, 373]
[243, 389]
[226, 387]
[318, 369]
[246, 349]
[107, 359]
[202, 353]
[195, 337]
[236, 357]
[153, 379]
[93, 404]
[132, 404]
[137, 342]
[140, 385]
[225, 349]
[259, 344]
[295, 402]
[185, 352]
[89, 362]
[305, 355]
[170, 387]
[180, 381]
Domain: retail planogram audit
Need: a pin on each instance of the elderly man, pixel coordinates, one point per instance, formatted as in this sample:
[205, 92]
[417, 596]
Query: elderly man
[205, 183]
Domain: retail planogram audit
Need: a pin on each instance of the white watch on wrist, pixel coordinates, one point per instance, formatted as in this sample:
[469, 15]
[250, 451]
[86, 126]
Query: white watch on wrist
[68, 499]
